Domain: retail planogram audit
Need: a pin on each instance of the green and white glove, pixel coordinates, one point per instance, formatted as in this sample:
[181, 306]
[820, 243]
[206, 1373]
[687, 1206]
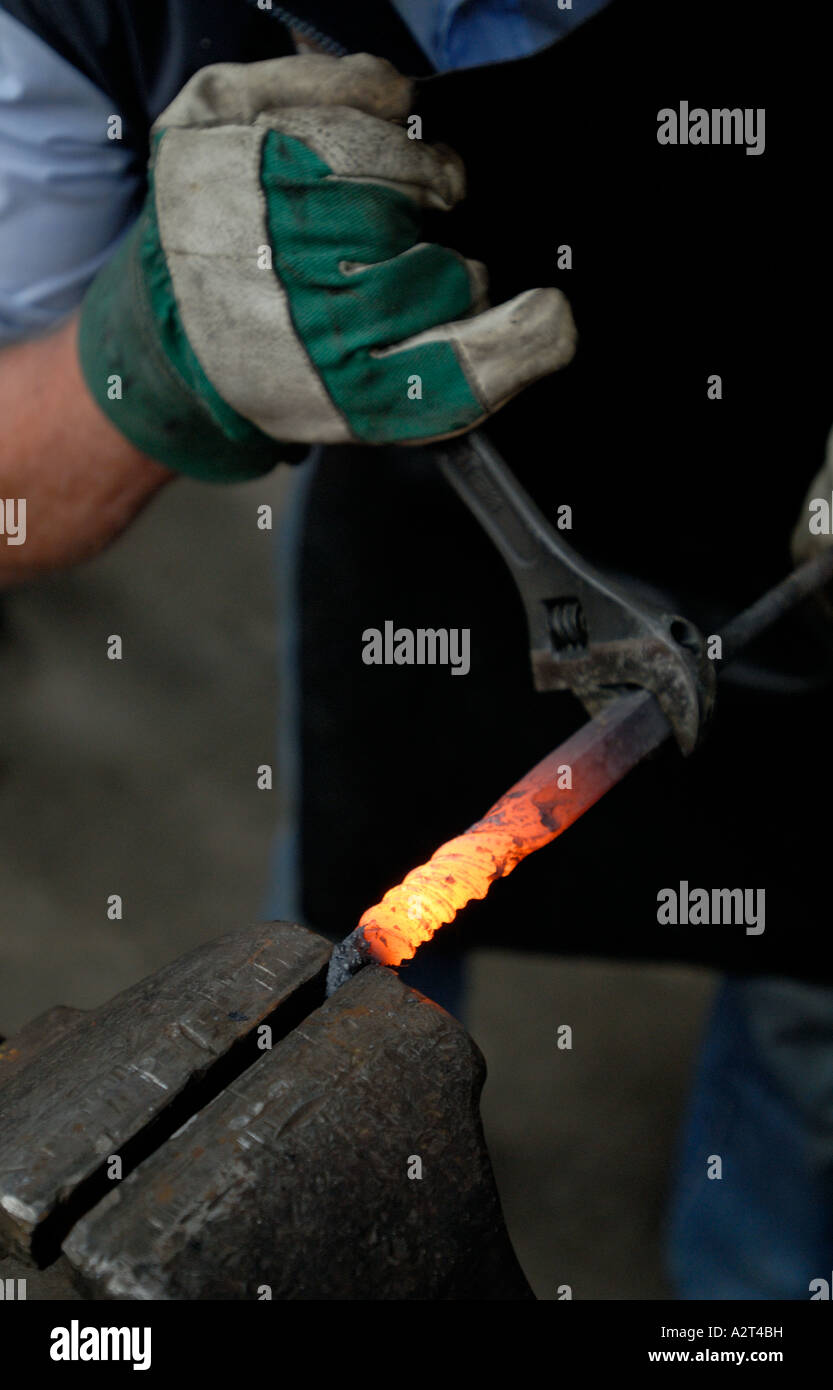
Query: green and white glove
[274, 291]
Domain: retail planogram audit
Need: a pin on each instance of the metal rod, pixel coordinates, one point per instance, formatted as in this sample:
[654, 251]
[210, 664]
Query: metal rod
[606, 748]
[599, 755]
[776, 603]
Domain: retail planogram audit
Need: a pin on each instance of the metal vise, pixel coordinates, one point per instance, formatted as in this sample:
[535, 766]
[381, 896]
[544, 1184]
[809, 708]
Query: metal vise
[220, 1131]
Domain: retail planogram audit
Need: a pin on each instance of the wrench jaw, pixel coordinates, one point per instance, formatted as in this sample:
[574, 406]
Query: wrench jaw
[686, 683]
[669, 660]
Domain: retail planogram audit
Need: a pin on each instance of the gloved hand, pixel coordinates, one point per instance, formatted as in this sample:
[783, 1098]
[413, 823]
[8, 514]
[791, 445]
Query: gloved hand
[274, 292]
[808, 537]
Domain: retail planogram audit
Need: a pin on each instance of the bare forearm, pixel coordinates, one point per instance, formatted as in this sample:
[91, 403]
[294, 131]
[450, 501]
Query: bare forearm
[81, 480]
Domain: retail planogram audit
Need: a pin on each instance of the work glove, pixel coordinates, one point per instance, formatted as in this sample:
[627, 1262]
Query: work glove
[812, 531]
[274, 293]
[809, 537]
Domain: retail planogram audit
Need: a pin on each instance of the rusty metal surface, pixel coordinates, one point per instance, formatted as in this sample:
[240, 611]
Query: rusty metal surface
[53, 1285]
[36, 1037]
[87, 1093]
[347, 1161]
[297, 1176]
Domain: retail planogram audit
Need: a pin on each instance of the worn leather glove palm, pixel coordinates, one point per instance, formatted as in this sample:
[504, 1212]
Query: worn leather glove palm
[274, 292]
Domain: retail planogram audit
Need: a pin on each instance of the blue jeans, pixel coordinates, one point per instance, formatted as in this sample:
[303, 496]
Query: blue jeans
[763, 1104]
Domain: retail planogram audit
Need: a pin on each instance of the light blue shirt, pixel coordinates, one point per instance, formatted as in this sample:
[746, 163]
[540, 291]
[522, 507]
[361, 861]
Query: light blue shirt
[68, 193]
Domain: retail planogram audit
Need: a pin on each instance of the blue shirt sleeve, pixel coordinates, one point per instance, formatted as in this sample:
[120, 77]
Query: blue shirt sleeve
[465, 33]
[68, 193]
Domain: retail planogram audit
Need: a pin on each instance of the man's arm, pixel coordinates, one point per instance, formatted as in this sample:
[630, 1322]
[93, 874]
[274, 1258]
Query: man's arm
[67, 195]
[81, 479]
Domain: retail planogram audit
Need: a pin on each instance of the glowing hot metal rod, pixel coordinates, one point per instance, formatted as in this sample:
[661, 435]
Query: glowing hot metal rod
[627, 726]
[527, 817]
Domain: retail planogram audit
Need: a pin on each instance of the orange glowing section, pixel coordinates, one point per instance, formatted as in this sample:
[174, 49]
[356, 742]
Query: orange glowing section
[556, 792]
[528, 817]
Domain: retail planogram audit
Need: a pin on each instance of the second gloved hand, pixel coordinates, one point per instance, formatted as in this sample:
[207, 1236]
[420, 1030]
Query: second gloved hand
[274, 292]
[813, 533]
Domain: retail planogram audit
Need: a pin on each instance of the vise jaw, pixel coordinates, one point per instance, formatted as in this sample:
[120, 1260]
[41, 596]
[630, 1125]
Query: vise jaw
[221, 1131]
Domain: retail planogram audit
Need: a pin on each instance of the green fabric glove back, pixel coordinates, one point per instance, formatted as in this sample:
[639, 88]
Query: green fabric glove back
[274, 293]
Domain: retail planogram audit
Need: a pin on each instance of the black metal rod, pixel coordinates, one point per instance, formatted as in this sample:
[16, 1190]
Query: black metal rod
[776, 603]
